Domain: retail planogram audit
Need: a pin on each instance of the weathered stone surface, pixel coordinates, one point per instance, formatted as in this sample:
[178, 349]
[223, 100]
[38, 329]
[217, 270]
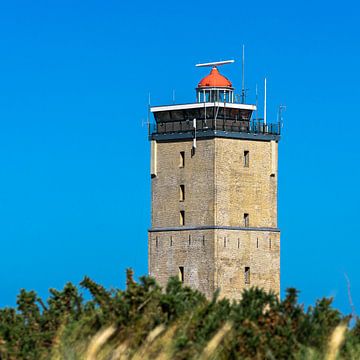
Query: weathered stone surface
[214, 246]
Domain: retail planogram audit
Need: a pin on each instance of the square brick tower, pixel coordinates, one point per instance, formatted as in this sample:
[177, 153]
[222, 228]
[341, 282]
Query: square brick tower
[214, 193]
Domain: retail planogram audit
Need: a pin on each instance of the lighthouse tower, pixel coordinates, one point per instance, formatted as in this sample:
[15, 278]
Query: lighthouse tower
[214, 193]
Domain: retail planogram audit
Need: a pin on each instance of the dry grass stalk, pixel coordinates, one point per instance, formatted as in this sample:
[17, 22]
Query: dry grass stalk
[98, 341]
[57, 342]
[353, 312]
[141, 353]
[336, 340]
[164, 344]
[215, 341]
[122, 352]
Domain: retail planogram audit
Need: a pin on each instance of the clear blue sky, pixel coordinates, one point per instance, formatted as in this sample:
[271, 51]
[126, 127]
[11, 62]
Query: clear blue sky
[74, 157]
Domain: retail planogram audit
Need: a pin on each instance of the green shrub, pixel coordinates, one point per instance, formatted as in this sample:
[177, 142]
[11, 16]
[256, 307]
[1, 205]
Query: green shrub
[178, 322]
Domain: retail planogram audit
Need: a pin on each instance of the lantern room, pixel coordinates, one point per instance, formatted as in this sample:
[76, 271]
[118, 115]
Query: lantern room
[215, 88]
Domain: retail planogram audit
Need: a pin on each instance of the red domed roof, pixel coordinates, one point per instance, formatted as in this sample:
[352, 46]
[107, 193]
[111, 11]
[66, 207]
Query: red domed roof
[214, 79]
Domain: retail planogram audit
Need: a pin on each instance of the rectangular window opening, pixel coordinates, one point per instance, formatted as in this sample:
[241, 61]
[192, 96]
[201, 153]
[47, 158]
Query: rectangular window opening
[182, 217]
[181, 273]
[257, 243]
[247, 275]
[246, 158]
[224, 242]
[171, 241]
[182, 159]
[156, 241]
[246, 220]
[238, 243]
[182, 192]
[270, 243]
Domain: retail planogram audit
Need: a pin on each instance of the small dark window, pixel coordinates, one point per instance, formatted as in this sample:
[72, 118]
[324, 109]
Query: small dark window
[171, 241]
[182, 217]
[182, 159]
[181, 273]
[247, 275]
[270, 243]
[189, 239]
[224, 241]
[156, 241]
[257, 243]
[238, 243]
[182, 192]
[246, 220]
[246, 158]
[203, 240]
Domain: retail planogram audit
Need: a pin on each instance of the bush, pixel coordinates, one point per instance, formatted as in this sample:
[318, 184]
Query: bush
[179, 323]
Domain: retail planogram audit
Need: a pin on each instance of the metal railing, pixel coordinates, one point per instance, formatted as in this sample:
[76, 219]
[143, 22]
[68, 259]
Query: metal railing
[254, 127]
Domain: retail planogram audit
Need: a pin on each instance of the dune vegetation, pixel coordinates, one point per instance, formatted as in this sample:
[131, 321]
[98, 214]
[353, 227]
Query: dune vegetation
[147, 322]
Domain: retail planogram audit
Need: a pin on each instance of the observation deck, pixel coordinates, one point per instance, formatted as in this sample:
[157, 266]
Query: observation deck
[213, 119]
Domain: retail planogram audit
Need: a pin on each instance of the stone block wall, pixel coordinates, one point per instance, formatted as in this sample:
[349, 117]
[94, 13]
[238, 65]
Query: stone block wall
[198, 177]
[240, 189]
[215, 245]
[191, 249]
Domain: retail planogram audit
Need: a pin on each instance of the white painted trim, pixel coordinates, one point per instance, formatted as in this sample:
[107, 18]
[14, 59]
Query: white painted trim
[274, 157]
[155, 109]
[153, 158]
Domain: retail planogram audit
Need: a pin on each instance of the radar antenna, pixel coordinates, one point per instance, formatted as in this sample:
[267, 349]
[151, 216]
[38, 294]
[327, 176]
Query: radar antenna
[215, 63]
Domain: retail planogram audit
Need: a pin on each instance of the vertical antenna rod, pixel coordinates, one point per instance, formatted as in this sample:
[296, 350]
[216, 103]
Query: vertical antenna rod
[194, 139]
[148, 114]
[280, 118]
[265, 101]
[243, 76]
[257, 100]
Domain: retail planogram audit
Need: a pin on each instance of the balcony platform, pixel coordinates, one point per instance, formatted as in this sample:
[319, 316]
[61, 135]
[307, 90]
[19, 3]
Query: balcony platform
[210, 128]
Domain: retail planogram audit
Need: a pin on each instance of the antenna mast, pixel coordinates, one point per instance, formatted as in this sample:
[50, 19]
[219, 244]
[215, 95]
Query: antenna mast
[280, 117]
[243, 95]
[257, 100]
[265, 102]
[148, 114]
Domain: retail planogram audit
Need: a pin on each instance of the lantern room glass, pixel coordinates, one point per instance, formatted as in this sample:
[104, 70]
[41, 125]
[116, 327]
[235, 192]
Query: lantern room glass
[215, 95]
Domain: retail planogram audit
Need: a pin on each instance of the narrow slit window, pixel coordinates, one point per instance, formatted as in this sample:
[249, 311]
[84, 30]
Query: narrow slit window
[182, 159]
[156, 241]
[182, 192]
[181, 273]
[257, 243]
[270, 243]
[246, 220]
[224, 242]
[246, 158]
[171, 242]
[182, 217]
[247, 275]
